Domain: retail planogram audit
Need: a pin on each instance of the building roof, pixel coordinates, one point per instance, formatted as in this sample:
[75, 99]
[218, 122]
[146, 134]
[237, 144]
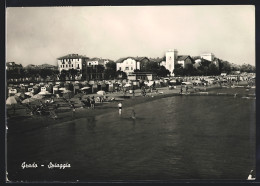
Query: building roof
[94, 59]
[73, 56]
[135, 58]
[158, 60]
[183, 57]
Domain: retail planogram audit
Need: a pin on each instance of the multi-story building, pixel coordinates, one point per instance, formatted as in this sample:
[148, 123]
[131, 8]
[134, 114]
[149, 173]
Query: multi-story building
[129, 64]
[72, 61]
[95, 61]
[184, 60]
[208, 56]
[171, 60]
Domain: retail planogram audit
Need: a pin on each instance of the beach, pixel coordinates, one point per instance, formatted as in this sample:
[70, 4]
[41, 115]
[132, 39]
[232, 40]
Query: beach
[22, 121]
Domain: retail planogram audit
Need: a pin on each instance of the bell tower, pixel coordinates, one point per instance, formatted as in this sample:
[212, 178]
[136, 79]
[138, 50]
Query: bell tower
[171, 59]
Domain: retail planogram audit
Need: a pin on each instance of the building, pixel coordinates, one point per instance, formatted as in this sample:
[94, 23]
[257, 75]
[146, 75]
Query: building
[94, 72]
[95, 61]
[171, 60]
[208, 56]
[141, 76]
[72, 61]
[184, 60]
[13, 66]
[129, 64]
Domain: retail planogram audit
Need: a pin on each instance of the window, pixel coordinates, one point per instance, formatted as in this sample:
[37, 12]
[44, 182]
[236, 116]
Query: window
[126, 68]
[131, 68]
[78, 65]
[72, 65]
[66, 66]
[120, 68]
[61, 66]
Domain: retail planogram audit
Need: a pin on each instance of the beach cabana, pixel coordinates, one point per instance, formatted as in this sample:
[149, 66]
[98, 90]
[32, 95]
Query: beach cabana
[45, 93]
[37, 96]
[12, 100]
[29, 100]
[29, 94]
[127, 85]
[101, 92]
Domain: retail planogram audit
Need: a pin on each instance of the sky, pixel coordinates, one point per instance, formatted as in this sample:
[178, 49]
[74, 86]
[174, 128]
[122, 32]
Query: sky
[38, 35]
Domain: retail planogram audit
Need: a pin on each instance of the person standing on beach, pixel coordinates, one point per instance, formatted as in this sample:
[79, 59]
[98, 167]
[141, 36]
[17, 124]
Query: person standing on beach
[120, 108]
[133, 114]
[181, 90]
[92, 103]
[73, 110]
[187, 89]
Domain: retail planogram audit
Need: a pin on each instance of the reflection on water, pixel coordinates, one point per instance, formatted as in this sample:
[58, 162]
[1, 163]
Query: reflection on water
[171, 138]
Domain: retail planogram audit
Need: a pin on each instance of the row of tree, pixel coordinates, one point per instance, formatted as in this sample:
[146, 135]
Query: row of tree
[208, 68]
[31, 73]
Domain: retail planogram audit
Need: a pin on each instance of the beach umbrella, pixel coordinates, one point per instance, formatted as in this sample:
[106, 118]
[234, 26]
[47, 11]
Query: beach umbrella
[85, 88]
[11, 100]
[127, 85]
[66, 91]
[18, 94]
[101, 92]
[44, 93]
[29, 100]
[62, 88]
[173, 81]
[29, 94]
[37, 96]
[150, 83]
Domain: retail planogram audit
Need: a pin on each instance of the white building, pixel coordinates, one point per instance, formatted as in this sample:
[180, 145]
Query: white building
[95, 61]
[171, 59]
[208, 56]
[184, 60]
[128, 65]
[71, 61]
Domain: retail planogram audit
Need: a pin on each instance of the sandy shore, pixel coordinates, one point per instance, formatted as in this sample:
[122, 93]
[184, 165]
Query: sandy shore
[22, 121]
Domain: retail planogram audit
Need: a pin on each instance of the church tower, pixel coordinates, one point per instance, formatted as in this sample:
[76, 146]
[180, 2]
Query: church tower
[171, 59]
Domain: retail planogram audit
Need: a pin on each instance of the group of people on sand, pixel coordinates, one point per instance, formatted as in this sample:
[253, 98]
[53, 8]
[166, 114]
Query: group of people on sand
[186, 87]
[89, 102]
[44, 108]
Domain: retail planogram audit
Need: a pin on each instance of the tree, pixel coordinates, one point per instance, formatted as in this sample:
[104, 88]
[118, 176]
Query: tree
[247, 68]
[151, 66]
[189, 70]
[45, 72]
[163, 72]
[72, 73]
[225, 66]
[120, 74]
[213, 70]
[178, 70]
[110, 71]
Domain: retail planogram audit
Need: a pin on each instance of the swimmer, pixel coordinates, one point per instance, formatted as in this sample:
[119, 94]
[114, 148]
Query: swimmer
[133, 114]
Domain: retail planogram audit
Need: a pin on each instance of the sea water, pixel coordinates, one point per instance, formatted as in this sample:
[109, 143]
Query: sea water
[174, 138]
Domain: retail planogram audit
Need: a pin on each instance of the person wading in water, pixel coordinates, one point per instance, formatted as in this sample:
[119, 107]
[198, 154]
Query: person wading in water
[120, 108]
